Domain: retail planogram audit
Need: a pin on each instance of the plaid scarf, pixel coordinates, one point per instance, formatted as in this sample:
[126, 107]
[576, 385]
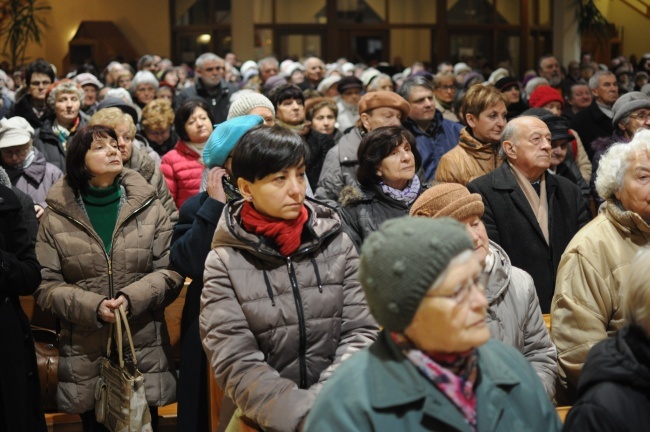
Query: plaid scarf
[453, 374]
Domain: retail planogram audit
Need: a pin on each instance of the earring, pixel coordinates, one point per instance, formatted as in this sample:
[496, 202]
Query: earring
[250, 198]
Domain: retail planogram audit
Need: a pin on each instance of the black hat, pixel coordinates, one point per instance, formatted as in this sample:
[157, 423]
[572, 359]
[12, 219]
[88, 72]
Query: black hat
[559, 127]
[113, 102]
[506, 82]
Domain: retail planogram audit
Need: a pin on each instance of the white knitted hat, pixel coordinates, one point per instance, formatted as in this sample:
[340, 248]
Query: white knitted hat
[246, 101]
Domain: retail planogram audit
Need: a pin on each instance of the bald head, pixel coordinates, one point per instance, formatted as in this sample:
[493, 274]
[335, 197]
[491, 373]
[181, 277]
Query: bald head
[526, 143]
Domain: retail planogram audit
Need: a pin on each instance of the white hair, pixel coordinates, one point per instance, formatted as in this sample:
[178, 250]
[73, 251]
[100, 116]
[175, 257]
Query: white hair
[204, 58]
[120, 93]
[144, 77]
[616, 161]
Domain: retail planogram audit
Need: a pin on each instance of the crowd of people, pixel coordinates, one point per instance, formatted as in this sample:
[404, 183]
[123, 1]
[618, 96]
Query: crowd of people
[368, 249]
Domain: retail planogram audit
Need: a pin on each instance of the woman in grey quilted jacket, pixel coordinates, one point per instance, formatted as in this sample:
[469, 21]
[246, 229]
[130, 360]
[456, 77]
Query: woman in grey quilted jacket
[103, 241]
[281, 306]
[514, 315]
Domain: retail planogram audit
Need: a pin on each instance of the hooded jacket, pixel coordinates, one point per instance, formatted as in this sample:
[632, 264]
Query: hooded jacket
[78, 275]
[364, 210]
[614, 386]
[586, 307]
[468, 160]
[35, 180]
[275, 327]
[515, 318]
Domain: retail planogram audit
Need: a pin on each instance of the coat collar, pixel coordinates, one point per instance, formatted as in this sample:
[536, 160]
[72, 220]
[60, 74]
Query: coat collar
[504, 179]
[394, 382]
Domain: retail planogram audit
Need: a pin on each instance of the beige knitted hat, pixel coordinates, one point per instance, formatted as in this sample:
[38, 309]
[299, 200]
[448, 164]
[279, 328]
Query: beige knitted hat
[450, 200]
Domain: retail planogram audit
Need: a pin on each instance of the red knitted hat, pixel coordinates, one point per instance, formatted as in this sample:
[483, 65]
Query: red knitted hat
[544, 94]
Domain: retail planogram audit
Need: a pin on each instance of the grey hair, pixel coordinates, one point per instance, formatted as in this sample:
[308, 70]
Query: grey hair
[593, 81]
[458, 259]
[120, 93]
[416, 81]
[373, 86]
[616, 161]
[266, 60]
[509, 132]
[144, 77]
[200, 61]
[636, 292]
[64, 87]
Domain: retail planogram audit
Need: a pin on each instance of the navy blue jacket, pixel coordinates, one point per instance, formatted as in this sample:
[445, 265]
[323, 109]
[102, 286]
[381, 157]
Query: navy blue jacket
[446, 137]
[190, 245]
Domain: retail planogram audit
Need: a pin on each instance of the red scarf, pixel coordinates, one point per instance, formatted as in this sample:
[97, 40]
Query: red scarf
[285, 233]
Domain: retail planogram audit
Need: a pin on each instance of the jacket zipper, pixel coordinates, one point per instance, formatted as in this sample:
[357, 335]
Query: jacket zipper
[94, 234]
[302, 348]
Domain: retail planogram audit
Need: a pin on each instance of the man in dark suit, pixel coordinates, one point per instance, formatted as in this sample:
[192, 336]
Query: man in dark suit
[596, 120]
[533, 216]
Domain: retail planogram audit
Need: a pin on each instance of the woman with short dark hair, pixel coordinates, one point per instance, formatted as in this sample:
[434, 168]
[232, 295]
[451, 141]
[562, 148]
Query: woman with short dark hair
[183, 165]
[104, 242]
[281, 306]
[388, 162]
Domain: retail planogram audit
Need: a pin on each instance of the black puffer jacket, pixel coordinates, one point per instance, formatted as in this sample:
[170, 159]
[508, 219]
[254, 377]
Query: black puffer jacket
[614, 387]
[364, 210]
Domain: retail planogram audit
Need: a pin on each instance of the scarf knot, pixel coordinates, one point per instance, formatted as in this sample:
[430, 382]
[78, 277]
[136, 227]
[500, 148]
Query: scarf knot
[285, 233]
[407, 195]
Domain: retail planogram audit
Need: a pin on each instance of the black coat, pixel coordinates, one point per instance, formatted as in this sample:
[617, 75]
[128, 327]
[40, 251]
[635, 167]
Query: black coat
[20, 408]
[365, 210]
[190, 246]
[318, 144]
[24, 108]
[511, 223]
[48, 143]
[614, 387]
[591, 123]
[218, 101]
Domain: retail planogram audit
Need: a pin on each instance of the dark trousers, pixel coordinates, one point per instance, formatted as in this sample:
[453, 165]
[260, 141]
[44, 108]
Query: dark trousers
[90, 423]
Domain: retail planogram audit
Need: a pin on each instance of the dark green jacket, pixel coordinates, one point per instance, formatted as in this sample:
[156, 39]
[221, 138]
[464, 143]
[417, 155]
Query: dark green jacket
[378, 389]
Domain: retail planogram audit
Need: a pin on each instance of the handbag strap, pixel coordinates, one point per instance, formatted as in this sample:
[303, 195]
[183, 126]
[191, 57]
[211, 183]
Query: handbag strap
[120, 316]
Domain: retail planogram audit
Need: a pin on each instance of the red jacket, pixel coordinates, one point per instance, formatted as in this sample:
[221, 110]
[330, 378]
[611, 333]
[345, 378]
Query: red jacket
[183, 171]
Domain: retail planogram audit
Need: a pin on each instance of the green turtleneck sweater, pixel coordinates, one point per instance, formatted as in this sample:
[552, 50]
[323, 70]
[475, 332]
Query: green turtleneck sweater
[102, 205]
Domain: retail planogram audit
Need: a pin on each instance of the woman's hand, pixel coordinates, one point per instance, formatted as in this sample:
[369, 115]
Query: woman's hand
[39, 211]
[106, 310]
[215, 185]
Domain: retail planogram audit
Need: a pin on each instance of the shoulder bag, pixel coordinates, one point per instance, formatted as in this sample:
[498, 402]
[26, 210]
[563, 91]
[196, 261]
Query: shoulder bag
[120, 401]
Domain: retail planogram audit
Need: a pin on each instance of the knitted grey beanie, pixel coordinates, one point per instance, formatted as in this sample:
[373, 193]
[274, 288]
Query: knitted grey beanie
[627, 104]
[400, 262]
[246, 101]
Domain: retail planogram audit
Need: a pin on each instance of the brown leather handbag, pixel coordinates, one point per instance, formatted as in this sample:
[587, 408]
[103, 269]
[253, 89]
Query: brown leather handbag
[47, 360]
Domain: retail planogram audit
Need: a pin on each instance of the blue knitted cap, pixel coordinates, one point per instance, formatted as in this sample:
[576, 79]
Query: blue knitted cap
[224, 137]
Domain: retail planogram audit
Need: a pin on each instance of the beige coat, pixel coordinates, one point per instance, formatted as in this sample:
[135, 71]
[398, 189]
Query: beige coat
[275, 328]
[470, 159]
[78, 275]
[586, 305]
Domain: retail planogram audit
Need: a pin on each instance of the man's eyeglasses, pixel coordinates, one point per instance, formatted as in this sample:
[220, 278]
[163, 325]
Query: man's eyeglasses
[214, 68]
[447, 87]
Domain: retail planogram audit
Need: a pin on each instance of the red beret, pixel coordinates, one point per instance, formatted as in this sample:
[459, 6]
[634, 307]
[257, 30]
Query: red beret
[543, 95]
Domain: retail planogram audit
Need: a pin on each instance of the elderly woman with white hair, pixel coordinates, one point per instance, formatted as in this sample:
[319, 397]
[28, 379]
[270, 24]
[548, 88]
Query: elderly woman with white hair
[63, 98]
[614, 387]
[586, 306]
[143, 88]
